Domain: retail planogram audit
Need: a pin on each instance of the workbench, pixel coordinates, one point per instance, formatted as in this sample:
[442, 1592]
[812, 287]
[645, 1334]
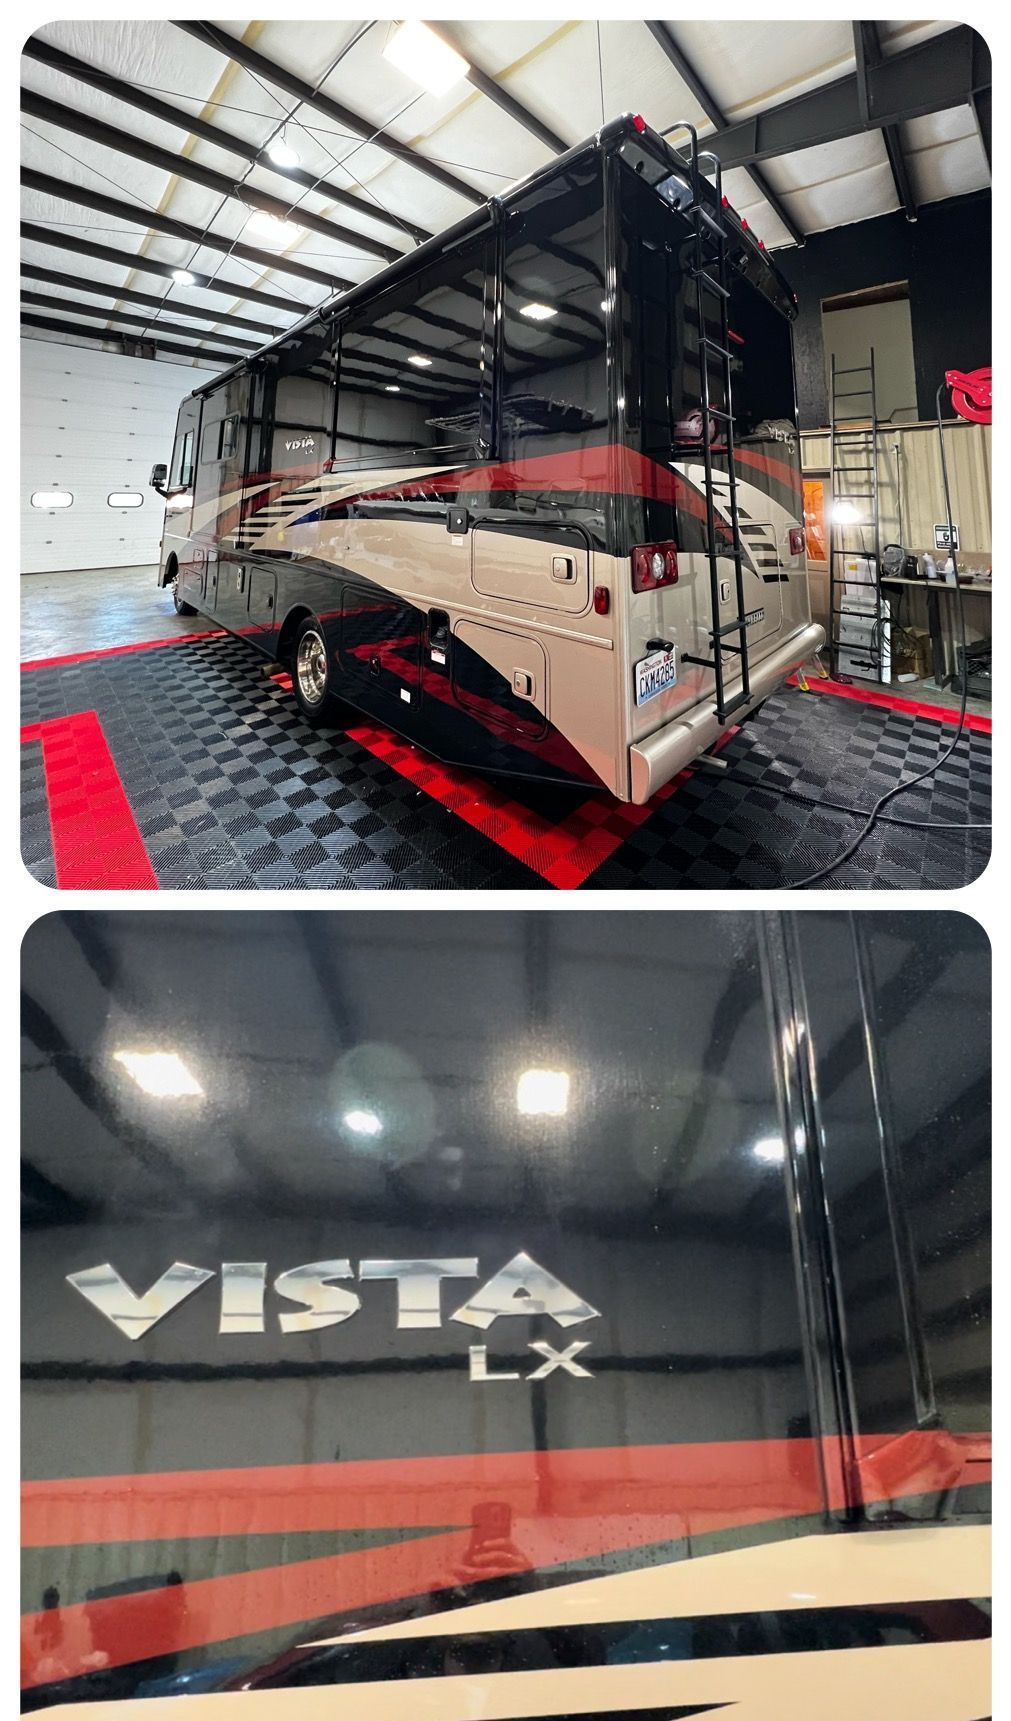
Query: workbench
[934, 590]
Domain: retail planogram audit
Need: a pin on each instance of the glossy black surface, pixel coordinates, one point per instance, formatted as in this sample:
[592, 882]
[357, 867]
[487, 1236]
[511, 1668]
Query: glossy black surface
[363, 1091]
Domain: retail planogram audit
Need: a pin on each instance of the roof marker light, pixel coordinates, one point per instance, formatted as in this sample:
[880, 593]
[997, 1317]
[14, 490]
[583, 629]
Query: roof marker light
[638, 122]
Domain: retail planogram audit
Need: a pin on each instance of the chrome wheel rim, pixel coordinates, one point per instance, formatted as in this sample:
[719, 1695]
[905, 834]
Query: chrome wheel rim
[311, 667]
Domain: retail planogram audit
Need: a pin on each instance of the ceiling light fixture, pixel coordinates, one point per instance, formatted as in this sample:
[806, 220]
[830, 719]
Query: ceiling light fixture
[280, 152]
[266, 226]
[424, 57]
[419, 360]
[161, 1074]
[184, 278]
[543, 1093]
[538, 313]
[392, 388]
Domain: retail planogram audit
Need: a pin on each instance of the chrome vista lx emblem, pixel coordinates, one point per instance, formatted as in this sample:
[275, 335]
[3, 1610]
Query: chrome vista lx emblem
[521, 1287]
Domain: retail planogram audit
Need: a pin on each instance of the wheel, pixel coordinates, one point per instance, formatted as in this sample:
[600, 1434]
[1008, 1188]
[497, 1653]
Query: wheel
[310, 672]
[178, 603]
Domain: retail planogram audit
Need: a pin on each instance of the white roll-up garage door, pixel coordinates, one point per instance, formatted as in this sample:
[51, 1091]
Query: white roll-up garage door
[93, 423]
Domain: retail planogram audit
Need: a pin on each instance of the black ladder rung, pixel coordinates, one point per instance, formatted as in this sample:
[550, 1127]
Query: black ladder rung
[850, 393]
[703, 662]
[737, 626]
[740, 699]
[711, 222]
[715, 347]
[710, 281]
[855, 370]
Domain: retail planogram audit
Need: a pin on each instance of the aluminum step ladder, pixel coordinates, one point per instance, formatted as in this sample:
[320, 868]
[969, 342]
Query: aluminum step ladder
[712, 298]
[855, 595]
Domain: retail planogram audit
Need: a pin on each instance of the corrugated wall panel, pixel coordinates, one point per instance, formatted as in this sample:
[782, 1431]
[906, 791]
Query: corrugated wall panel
[918, 461]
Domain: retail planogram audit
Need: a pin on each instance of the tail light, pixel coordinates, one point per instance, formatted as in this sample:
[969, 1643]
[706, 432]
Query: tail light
[654, 565]
[797, 543]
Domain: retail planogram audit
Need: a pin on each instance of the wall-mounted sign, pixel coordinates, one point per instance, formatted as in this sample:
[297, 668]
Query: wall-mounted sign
[942, 537]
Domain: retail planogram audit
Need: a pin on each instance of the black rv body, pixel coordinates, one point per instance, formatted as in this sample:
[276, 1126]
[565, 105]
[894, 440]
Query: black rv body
[445, 472]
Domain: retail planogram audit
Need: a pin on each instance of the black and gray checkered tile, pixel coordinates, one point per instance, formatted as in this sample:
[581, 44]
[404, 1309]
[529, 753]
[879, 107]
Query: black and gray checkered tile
[230, 789]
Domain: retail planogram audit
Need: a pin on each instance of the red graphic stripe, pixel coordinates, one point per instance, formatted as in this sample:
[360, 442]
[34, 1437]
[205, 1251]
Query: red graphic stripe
[118, 650]
[778, 469]
[565, 1505]
[894, 702]
[96, 843]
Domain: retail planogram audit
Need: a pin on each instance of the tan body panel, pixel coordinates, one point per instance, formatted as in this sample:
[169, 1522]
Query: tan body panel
[522, 570]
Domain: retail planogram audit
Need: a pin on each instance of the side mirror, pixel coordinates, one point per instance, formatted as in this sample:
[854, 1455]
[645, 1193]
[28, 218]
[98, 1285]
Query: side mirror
[158, 476]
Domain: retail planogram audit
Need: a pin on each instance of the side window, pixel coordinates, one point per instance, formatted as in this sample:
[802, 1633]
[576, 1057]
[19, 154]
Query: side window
[553, 355]
[299, 397]
[413, 371]
[181, 474]
[210, 442]
[229, 436]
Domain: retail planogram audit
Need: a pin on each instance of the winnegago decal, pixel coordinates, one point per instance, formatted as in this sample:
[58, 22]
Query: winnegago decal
[319, 1289]
[753, 616]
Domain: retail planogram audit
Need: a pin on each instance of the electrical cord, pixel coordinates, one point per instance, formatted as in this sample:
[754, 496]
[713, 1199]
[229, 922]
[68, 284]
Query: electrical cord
[872, 817]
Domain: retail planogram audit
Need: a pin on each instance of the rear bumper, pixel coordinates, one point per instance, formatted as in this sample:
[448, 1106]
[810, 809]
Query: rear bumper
[661, 756]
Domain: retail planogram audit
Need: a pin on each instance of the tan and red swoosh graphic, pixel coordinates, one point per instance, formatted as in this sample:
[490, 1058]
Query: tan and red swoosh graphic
[565, 1505]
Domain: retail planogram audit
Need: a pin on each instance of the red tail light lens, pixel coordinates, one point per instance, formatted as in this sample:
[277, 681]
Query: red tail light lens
[601, 600]
[638, 122]
[797, 543]
[654, 565]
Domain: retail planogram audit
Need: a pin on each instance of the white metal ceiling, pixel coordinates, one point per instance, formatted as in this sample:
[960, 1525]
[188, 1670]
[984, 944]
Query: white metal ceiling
[567, 74]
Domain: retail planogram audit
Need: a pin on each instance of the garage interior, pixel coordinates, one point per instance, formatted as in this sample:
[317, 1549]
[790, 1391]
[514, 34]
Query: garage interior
[190, 190]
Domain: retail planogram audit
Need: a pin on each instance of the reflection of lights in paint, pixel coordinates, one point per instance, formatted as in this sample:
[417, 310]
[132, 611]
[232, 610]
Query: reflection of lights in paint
[846, 513]
[420, 360]
[392, 388]
[176, 504]
[162, 1074]
[183, 277]
[424, 57]
[363, 1122]
[543, 1093]
[770, 1149]
[538, 313]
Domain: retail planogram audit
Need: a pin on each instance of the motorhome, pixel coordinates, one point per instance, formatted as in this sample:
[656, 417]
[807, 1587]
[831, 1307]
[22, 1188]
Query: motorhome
[531, 494]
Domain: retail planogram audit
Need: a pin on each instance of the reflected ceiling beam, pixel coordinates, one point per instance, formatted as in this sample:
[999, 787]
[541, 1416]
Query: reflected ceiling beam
[146, 265]
[153, 219]
[82, 331]
[261, 67]
[156, 324]
[47, 1203]
[715, 115]
[867, 50]
[494, 91]
[947, 71]
[102, 290]
[184, 167]
[320, 953]
[71, 67]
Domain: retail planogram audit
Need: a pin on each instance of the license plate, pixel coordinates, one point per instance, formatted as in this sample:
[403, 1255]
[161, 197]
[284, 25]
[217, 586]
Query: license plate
[654, 674]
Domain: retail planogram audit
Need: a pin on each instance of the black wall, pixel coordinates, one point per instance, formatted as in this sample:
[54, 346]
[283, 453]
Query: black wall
[945, 257]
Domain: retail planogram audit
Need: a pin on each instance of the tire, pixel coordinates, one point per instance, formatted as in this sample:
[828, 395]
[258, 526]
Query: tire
[178, 604]
[311, 672]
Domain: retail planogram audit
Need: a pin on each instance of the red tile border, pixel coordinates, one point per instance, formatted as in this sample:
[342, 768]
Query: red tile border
[894, 702]
[96, 843]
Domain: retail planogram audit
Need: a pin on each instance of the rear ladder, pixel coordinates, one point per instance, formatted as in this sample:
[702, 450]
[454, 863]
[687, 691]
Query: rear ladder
[854, 515]
[710, 275]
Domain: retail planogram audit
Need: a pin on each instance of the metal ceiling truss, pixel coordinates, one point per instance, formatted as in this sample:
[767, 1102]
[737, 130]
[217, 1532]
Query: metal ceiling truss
[51, 302]
[81, 331]
[138, 149]
[947, 71]
[103, 290]
[145, 265]
[71, 67]
[261, 67]
[494, 91]
[867, 48]
[135, 296]
[67, 192]
[715, 115]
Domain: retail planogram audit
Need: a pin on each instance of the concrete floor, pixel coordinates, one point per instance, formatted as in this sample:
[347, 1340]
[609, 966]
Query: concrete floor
[92, 608]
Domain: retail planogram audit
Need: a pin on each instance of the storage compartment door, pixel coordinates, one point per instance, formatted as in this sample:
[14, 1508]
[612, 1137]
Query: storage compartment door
[501, 678]
[544, 565]
[381, 643]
